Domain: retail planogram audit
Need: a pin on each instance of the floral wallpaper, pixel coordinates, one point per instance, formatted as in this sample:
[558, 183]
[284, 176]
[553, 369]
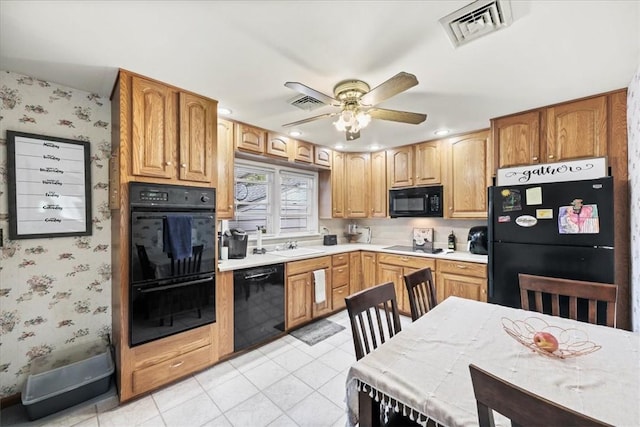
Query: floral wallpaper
[55, 293]
[633, 130]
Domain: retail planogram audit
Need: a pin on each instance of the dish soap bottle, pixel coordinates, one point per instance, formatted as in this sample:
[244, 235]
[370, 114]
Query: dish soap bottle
[452, 241]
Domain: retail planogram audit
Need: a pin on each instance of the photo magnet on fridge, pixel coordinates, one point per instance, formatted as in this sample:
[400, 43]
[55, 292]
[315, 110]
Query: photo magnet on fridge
[511, 200]
[578, 218]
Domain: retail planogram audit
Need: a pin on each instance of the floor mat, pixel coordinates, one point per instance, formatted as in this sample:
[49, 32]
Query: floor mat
[317, 331]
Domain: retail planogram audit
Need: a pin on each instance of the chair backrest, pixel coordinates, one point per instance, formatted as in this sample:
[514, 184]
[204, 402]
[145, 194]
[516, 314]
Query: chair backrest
[370, 328]
[522, 407]
[187, 265]
[421, 292]
[547, 290]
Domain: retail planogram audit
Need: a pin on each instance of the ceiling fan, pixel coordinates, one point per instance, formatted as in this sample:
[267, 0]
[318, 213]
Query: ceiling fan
[357, 103]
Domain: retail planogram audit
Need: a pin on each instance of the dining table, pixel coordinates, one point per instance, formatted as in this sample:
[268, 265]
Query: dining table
[423, 371]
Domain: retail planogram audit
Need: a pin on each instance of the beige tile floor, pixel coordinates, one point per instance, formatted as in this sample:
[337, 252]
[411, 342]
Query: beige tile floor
[283, 383]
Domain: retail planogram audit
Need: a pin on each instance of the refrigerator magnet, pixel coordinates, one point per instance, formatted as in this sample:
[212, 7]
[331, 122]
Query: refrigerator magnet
[526, 221]
[544, 213]
[511, 200]
[578, 218]
[534, 196]
[504, 218]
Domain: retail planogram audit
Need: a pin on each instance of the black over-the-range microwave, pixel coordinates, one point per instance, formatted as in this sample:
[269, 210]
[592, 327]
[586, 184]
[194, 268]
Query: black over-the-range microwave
[416, 202]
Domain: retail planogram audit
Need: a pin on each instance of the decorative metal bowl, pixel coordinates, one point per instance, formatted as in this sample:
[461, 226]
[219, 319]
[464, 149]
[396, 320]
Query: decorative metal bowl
[572, 342]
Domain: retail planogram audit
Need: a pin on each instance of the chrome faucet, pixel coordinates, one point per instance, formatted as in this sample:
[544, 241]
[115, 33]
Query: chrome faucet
[291, 245]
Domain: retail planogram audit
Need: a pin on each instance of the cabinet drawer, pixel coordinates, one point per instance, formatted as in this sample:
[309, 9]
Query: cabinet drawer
[304, 266]
[463, 268]
[164, 372]
[340, 259]
[171, 347]
[339, 294]
[340, 276]
[406, 261]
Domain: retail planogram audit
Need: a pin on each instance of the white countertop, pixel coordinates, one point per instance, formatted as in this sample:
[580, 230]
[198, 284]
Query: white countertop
[269, 258]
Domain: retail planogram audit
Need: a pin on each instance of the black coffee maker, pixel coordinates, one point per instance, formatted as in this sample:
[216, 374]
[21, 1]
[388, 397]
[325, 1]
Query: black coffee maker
[236, 240]
[477, 241]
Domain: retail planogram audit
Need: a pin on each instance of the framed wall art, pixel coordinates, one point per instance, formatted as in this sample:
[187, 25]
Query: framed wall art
[49, 182]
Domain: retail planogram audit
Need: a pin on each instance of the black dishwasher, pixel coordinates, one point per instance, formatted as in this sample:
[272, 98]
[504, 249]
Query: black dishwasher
[258, 305]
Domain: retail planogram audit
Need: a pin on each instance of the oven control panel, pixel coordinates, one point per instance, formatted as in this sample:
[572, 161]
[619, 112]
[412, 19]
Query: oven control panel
[154, 196]
[171, 196]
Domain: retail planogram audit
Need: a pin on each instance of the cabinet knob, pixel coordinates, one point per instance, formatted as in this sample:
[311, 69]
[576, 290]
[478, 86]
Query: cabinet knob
[183, 165]
[230, 206]
[168, 163]
[535, 158]
[551, 156]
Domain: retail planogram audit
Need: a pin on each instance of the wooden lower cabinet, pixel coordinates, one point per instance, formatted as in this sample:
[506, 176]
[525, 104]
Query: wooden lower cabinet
[160, 362]
[340, 277]
[355, 272]
[393, 268]
[461, 279]
[224, 312]
[300, 295]
[368, 277]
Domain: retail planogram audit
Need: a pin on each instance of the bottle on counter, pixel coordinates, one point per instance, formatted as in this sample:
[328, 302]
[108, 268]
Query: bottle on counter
[451, 241]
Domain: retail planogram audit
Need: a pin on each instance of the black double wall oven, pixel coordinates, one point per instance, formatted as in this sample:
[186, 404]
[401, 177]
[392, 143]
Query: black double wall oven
[172, 261]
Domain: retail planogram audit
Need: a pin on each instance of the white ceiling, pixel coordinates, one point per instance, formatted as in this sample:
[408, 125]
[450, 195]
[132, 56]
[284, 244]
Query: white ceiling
[242, 52]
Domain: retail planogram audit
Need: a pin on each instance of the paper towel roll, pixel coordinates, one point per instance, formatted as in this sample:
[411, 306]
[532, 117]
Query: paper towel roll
[319, 279]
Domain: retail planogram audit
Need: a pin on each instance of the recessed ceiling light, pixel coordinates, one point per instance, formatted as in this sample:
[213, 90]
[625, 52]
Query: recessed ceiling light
[441, 132]
[295, 133]
[374, 147]
[339, 146]
[224, 110]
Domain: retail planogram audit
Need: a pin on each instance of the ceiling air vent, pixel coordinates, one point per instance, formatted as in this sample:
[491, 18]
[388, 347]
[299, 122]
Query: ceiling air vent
[476, 20]
[306, 102]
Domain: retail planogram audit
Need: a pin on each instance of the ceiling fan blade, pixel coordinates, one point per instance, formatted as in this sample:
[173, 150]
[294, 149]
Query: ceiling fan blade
[311, 119]
[352, 135]
[397, 116]
[396, 84]
[306, 90]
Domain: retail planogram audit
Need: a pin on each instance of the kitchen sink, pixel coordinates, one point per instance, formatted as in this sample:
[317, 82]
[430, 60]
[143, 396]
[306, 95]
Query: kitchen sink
[292, 253]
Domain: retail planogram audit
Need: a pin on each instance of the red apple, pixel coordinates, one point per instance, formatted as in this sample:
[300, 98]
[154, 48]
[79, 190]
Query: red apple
[545, 341]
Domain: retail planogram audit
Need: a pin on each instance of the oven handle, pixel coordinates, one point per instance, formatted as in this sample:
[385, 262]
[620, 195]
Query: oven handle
[256, 276]
[164, 217]
[177, 285]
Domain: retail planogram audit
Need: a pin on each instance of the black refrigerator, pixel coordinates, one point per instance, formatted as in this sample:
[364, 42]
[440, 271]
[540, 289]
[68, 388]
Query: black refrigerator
[562, 229]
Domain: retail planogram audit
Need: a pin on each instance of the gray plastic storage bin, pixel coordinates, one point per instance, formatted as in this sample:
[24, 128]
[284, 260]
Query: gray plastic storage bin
[52, 390]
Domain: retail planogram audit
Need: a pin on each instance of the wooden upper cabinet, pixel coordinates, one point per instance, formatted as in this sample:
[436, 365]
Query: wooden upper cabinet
[427, 163]
[322, 156]
[357, 185]
[338, 185]
[303, 151]
[225, 162]
[250, 139]
[154, 131]
[516, 140]
[278, 146]
[400, 166]
[468, 176]
[378, 186]
[577, 129]
[198, 131]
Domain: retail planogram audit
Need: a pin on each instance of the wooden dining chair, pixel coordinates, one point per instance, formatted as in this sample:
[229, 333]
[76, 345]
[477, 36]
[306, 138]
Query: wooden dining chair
[522, 407]
[537, 293]
[375, 319]
[421, 292]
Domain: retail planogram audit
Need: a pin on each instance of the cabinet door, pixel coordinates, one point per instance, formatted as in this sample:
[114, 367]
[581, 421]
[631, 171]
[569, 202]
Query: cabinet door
[369, 270]
[303, 152]
[224, 160]
[322, 156]
[467, 176]
[394, 273]
[428, 163]
[299, 294]
[337, 185]
[516, 140]
[154, 121]
[577, 129]
[474, 288]
[357, 185]
[378, 186]
[224, 312]
[355, 272]
[400, 166]
[250, 139]
[278, 146]
[197, 136]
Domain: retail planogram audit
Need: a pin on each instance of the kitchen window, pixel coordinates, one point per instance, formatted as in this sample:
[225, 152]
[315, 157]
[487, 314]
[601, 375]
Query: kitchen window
[281, 199]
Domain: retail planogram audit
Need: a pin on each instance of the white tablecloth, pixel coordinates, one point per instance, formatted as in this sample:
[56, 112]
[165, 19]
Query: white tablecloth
[426, 366]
